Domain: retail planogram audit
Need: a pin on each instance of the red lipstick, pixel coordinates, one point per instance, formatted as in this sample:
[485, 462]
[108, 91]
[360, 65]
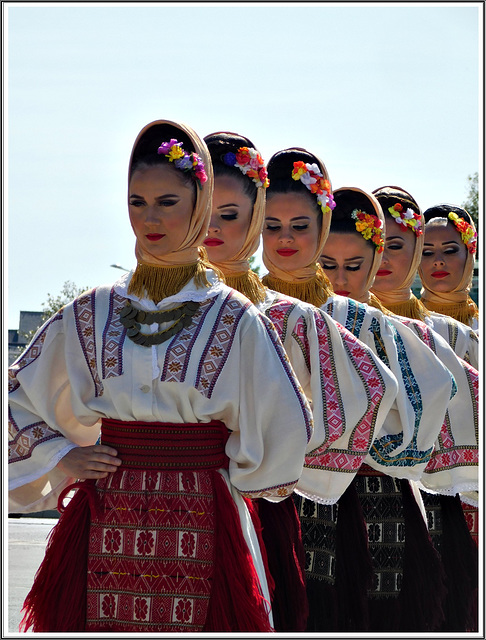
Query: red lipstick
[342, 293]
[213, 242]
[440, 274]
[286, 252]
[383, 272]
[153, 237]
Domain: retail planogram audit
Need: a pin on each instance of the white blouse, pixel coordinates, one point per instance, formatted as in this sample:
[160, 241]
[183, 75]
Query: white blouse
[351, 392]
[228, 365]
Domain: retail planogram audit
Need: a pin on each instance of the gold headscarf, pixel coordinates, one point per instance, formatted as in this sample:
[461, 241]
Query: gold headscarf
[310, 283]
[159, 277]
[401, 301]
[456, 303]
[237, 271]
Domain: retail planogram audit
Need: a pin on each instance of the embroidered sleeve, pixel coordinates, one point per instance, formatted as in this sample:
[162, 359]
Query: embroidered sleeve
[275, 421]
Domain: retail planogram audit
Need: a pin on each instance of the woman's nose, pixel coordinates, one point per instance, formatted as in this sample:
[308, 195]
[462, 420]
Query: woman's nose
[214, 225]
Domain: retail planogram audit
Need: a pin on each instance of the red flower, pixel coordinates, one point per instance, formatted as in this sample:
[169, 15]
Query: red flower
[108, 605]
[398, 207]
[243, 157]
[141, 608]
[112, 540]
[183, 610]
[145, 542]
[188, 544]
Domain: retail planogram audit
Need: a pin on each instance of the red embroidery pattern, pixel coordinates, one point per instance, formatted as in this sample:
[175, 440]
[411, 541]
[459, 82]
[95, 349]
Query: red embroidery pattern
[179, 351]
[220, 342]
[447, 454]
[151, 552]
[113, 339]
[84, 316]
[361, 437]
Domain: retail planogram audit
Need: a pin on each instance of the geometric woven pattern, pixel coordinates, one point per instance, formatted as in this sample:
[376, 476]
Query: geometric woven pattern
[151, 552]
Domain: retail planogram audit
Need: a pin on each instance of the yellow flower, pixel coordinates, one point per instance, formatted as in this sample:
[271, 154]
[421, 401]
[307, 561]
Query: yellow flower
[175, 153]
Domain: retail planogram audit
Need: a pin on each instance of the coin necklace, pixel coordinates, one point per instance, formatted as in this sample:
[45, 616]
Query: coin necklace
[132, 318]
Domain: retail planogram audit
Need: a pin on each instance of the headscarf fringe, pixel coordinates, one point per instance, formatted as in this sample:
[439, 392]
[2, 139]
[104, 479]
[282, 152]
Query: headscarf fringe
[249, 284]
[157, 283]
[411, 308]
[464, 311]
[373, 301]
[315, 291]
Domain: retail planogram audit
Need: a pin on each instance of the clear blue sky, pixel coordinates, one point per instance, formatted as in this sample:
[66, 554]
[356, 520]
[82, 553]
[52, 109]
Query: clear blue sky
[383, 93]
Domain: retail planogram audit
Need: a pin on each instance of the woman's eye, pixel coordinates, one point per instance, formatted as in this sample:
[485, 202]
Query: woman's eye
[137, 203]
[451, 250]
[427, 252]
[270, 227]
[167, 203]
[395, 247]
[354, 267]
[229, 216]
[329, 267]
[300, 227]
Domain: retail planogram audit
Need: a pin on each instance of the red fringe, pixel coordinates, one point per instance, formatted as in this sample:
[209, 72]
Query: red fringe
[62, 575]
[236, 602]
[253, 509]
[282, 538]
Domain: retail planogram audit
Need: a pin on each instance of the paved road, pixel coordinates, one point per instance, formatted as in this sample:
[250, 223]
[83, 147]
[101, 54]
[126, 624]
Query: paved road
[27, 539]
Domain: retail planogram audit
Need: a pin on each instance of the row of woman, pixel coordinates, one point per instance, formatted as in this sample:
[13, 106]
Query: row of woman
[265, 445]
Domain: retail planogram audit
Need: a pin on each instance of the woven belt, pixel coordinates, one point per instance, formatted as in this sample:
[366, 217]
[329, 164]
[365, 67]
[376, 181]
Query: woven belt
[168, 446]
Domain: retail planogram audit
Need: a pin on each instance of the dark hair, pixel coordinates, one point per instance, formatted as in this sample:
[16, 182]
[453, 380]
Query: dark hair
[145, 152]
[221, 143]
[280, 169]
[389, 196]
[443, 210]
[346, 202]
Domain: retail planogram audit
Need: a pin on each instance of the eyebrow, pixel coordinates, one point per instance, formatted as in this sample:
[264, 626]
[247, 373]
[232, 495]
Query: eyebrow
[291, 219]
[229, 204]
[323, 255]
[431, 244]
[165, 195]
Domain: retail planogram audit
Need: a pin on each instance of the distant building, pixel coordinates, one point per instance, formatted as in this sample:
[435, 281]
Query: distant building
[18, 339]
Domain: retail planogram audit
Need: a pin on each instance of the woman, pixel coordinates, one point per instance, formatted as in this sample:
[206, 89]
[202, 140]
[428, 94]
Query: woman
[446, 271]
[344, 426]
[447, 264]
[359, 588]
[172, 363]
[453, 466]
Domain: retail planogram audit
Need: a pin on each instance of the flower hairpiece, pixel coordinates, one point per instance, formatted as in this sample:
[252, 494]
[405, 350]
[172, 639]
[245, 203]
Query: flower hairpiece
[468, 235]
[311, 176]
[250, 163]
[370, 227]
[407, 218]
[182, 160]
